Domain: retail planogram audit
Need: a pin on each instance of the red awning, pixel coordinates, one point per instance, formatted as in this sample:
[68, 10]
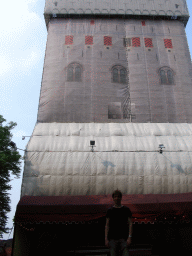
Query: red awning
[146, 208]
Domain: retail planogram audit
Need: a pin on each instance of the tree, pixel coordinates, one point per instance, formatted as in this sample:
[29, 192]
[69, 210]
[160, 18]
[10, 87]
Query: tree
[10, 162]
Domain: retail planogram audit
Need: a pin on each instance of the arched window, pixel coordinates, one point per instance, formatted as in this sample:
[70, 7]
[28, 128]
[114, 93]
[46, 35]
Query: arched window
[115, 75]
[70, 74]
[163, 77]
[74, 72]
[166, 75]
[77, 73]
[122, 76]
[170, 77]
[119, 75]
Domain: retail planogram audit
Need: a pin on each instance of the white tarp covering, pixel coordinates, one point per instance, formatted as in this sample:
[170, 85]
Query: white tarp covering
[59, 160]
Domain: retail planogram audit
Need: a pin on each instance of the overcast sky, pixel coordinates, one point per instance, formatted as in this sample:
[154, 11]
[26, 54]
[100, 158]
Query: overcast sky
[22, 47]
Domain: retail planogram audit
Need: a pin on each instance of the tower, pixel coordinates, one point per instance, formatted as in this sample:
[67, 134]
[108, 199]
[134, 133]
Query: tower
[117, 73]
[113, 71]
[130, 59]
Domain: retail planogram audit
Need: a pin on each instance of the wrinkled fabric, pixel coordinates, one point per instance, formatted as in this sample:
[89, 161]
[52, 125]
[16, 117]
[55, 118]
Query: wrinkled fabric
[59, 159]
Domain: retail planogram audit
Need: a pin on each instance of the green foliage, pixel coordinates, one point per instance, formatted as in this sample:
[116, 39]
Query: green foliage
[10, 161]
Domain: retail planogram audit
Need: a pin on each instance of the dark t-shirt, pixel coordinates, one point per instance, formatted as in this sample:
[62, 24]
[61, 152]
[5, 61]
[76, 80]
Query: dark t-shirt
[118, 225]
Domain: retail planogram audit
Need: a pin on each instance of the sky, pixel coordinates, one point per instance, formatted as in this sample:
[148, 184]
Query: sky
[23, 37]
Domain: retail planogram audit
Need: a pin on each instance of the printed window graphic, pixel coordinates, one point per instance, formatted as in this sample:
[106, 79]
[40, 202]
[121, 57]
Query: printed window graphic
[168, 43]
[119, 75]
[127, 42]
[74, 72]
[115, 75]
[148, 42]
[143, 23]
[68, 40]
[114, 110]
[122, 76]
[89, 40]
[107, 40]
[166, 76]
[77, 73]
[136, 41]
[70, 74]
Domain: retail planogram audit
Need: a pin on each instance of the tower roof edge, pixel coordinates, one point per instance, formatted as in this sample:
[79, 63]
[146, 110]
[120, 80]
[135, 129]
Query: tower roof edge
[172, 9]
[115, 7]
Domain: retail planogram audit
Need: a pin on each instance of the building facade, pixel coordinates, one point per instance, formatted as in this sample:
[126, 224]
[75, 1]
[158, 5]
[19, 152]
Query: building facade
[123, 80]
[117, 73]
[132, 66]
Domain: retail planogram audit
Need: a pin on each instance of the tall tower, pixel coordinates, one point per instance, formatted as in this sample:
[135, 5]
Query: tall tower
[116, 61]
[117, 73]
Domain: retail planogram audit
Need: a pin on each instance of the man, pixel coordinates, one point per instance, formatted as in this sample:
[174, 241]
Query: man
[118, 229]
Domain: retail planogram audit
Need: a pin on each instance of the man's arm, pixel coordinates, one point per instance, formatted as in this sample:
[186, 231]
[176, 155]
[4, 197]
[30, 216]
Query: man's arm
[130, 230]
[106, 232]
[130, 226]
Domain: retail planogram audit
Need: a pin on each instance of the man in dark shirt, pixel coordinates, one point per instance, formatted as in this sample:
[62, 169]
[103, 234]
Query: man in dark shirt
[118, 229]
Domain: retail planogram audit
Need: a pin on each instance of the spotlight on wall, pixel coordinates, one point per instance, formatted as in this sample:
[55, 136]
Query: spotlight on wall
[161, 146]
[92, 144]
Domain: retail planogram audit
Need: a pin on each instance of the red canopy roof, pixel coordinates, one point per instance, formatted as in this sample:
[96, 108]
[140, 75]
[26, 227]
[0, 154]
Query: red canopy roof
[147, 208]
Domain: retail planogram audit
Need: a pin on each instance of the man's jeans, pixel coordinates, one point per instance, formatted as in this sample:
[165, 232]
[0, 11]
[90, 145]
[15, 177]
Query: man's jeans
[118, 248]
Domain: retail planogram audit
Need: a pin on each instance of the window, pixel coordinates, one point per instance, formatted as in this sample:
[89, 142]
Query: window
[122, 76]
[148, 42]
[89, 40]
[119, 75]
[74, 72]
[143, 23]
[68, 40]
[70, 74]
[107, 40]
[114, 110]
[127, 42]
[77, 73]
[163, 77]
[136, 41]
[168, 43]
[166, 75]
[115, 75]
[170, 77]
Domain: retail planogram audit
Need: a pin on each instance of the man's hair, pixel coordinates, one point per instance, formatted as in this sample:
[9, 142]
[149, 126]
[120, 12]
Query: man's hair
[117, 193]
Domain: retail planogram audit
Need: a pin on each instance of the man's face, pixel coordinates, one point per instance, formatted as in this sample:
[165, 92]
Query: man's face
[117, 199]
